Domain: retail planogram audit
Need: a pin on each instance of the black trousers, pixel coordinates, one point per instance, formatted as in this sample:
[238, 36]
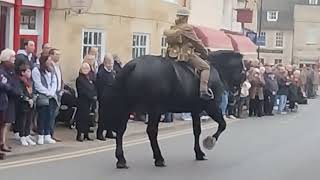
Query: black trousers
[255, 107]
[23, 123]
[269, 101]
[101, 121]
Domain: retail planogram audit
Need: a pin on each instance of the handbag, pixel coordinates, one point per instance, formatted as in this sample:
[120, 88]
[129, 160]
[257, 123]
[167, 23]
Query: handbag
[42, 100]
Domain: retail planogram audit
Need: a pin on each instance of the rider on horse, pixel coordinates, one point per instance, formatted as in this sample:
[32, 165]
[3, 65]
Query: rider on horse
[184, 45]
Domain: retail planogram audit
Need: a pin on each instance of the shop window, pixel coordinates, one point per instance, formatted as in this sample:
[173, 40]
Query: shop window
[28, 19]
[3, 26]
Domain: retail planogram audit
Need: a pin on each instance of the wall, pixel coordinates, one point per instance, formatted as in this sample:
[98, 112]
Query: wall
[286, 56]
[117, 19]
[306, 34]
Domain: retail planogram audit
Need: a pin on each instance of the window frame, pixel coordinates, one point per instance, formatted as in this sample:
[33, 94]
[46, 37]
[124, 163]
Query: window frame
[270, 17]
[279, 61]
[278, 40]
[92, 44]
[313, 2]
[264, 34]
[171, 1]
[164, 46]
[139, 46]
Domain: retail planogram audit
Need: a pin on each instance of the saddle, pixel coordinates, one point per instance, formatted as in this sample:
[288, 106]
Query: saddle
[186, 65]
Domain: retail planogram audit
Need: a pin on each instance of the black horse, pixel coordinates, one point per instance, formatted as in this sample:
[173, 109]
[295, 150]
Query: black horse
[155, 85]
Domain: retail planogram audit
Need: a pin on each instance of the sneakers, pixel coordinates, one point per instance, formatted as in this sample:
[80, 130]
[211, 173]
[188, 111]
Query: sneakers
[30, 141]
[16, 136]
[40, 139]
[49, 140]
[23, 141]
[206, 96]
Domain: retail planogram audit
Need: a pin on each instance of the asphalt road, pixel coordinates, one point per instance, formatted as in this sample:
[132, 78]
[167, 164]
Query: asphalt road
[283, 147]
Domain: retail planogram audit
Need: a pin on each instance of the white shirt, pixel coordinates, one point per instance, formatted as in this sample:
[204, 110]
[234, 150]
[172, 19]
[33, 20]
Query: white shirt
[59, 76]
[51, 81]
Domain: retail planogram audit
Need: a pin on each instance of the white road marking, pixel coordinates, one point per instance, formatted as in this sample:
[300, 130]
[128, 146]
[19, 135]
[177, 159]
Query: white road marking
[81, 153]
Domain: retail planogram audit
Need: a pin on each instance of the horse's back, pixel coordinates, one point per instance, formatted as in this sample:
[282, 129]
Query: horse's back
[160, 78]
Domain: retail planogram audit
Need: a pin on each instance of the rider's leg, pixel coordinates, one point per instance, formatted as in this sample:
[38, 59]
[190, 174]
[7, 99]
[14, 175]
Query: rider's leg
[204, 67]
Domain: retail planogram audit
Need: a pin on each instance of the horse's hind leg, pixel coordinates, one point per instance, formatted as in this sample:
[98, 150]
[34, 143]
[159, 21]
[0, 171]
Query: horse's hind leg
[152, 131]
[122, 163]
[196, 132]
[215, 113]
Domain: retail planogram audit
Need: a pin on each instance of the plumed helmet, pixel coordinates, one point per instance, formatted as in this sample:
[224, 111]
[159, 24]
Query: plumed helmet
[183, 12]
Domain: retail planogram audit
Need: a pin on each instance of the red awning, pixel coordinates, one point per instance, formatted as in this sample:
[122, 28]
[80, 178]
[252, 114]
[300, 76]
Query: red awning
[213, 39]
[242, 44]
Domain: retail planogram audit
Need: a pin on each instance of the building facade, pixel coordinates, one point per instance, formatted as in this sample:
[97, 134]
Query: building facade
[277, 28]
[128, 28]
[306, 48]
[23, 19]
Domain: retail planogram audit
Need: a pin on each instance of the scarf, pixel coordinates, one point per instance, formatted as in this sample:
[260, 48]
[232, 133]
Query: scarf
[27, 83]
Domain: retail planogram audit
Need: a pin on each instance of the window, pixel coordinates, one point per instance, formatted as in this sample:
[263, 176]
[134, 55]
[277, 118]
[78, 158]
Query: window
[278, 61]
[313, 2]
[263, 37]
[140, 44]
[172, 1]
[28, 19]
[262, 60]
[93, 38]
[279, 39]
[272, 15]
[164, 46]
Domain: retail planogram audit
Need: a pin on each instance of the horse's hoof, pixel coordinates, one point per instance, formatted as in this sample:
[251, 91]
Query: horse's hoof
[122, 166]
[209, 142]
[201, 158]
[160, 163]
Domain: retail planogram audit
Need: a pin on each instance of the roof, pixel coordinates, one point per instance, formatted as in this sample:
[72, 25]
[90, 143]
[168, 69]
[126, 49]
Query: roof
[213, 39]
[286, 14]
[242, 44]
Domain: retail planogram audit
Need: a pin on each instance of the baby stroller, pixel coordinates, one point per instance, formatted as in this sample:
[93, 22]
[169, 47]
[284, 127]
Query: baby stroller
[68, 107]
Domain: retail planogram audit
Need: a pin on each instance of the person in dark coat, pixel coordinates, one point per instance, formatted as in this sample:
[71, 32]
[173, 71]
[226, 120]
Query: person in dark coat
[4, 87]
[7, 59]
[86, 96]
[283, 83]
[104, 82]
[25, 105]
[270, 90]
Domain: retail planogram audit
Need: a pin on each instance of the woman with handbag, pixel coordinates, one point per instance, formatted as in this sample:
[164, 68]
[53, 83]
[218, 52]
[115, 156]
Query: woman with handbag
[86, 95]
[45, 84]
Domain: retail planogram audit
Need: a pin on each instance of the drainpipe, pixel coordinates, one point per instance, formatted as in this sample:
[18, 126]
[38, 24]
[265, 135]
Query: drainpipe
[16, 24]
[46, 15]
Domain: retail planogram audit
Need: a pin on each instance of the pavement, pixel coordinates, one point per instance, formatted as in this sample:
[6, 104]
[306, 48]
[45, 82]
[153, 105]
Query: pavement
[282, 147]
[135, 128]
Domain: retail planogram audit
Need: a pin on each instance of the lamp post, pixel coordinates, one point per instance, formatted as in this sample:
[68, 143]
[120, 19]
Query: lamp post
[259, 30]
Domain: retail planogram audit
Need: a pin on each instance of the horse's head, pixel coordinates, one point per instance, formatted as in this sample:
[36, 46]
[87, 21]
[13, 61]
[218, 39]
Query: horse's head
[230, 67]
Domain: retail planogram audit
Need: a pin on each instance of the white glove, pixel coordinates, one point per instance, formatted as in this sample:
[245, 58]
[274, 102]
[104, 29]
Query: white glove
[4, 80]
[30, 101]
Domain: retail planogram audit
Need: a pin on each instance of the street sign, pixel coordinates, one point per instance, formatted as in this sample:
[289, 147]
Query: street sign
[261, 41]
[252, 36]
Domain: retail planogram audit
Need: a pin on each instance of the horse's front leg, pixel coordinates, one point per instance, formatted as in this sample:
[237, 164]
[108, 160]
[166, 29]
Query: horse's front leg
[152, 131]
[200, 155]
[215, 113]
